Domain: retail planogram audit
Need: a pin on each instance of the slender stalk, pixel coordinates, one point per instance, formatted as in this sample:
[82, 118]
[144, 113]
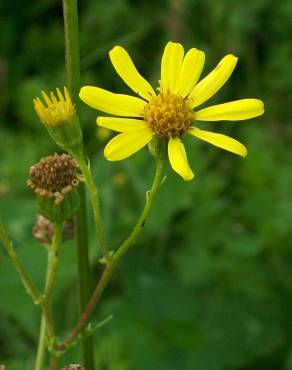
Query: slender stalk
[41, 351]
[54, 363]
[53, 263]
[26, 280]
[30, 287]
[93, 193]
[71, 30]
[142, 219]
[112, 263]
[84, 318]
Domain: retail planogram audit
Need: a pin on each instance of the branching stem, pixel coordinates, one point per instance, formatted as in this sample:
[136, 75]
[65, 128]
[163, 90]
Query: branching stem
[112, 263]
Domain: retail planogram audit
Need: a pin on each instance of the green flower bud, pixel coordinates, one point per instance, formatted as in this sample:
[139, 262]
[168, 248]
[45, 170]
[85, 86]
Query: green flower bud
[59, 117]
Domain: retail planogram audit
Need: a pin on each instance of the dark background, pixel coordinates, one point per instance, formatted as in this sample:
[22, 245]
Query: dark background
[209, 284]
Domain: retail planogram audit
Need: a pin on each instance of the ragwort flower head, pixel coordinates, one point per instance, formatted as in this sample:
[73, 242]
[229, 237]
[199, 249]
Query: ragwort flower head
[172, 112]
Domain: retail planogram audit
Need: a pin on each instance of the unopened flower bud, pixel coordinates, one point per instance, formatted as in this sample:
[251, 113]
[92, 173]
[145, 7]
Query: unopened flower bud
[54, 179]
[59, 117]
[43, 230]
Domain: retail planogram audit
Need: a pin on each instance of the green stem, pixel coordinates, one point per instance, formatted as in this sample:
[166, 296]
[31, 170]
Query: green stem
[26, 280]
[53, 263]
[73, 76]
[30, 287]
[94, 198]
[72, 55]
[142, 219]
[71, 30]
[110, 266]
[41, 352]
[84, 275]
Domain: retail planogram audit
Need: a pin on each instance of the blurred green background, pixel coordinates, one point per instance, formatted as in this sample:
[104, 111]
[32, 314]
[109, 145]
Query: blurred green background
[209, 284]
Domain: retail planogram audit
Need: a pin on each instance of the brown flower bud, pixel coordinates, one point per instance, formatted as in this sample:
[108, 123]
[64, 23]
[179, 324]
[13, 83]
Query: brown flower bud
[54, 180]
[43, 230]
[53, 176]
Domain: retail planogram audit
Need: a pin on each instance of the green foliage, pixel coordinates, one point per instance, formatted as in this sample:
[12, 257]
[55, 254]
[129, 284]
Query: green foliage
[209, 285]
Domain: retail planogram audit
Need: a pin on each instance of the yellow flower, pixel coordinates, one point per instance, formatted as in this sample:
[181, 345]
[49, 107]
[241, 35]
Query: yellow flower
[57, 110]
[170, 113]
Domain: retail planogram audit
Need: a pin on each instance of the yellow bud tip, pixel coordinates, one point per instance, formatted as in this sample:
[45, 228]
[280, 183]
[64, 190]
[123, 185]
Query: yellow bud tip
[56, 109]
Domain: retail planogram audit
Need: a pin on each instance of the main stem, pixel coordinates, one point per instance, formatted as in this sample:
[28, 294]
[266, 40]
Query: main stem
[84, 275]
[72, 55]
[71, 30]
[110, 266]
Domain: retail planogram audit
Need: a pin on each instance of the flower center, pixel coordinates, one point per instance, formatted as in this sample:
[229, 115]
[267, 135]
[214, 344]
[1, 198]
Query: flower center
[168, 115]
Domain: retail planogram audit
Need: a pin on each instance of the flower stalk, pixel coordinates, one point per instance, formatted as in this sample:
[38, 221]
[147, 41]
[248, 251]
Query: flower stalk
[52, 268]
[41, 351]
[93, 193]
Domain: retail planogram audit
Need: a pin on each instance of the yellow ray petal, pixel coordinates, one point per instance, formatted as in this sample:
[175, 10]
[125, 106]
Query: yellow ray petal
[46, 98]
[108, 102]
[121, 124]
[53, 98]
[191, 70]
[171, 64]
[222, 141]
[213, 81]
[126, 69]
[60, 95]
[126, 144]
[233, 111]
[178, 159]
